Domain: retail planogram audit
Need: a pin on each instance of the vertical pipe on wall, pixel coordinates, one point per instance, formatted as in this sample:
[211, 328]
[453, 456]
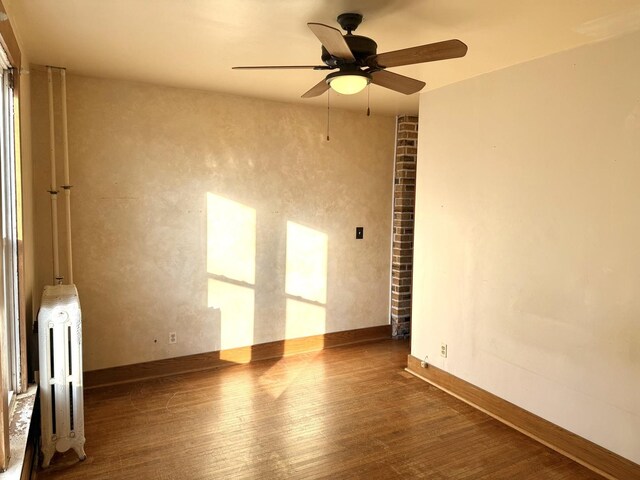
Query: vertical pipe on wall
[66, 186]
[52, 190]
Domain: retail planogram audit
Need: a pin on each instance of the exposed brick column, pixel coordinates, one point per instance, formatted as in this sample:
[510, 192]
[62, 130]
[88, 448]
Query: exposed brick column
[404, 196]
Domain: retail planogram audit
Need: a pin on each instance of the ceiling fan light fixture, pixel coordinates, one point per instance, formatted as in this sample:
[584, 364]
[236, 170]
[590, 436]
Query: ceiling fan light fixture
[348, 83]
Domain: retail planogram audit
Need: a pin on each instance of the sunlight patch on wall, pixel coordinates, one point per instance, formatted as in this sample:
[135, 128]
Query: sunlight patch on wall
[236, 305]
[306, 275]
[231, 239]
[231, 265]
[305, 281]
[304, 319]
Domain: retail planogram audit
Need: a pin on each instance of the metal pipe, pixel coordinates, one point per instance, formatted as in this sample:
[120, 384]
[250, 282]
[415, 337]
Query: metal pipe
[66, 186]
[52, 190]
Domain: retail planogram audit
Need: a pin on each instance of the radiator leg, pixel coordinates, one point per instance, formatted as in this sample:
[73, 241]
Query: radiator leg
[48, 452]
[79, 449]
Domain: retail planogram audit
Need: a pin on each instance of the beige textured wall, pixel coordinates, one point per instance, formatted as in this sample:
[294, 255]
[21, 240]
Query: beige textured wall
[165, 179]
[527, 231]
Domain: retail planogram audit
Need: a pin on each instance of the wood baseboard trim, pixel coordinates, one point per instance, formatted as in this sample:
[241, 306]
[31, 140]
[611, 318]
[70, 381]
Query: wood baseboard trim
[235, 356]
[596, 458]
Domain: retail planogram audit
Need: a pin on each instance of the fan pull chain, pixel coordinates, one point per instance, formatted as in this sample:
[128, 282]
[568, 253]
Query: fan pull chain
[328, 111]
[368, 100]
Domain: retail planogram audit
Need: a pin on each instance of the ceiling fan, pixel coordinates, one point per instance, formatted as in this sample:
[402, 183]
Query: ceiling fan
[357, 62]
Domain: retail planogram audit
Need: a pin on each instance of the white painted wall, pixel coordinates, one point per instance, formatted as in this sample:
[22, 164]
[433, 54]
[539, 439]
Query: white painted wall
[527, 248]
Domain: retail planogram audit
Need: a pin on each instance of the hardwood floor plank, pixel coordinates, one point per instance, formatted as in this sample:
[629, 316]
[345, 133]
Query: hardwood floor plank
[348, 412]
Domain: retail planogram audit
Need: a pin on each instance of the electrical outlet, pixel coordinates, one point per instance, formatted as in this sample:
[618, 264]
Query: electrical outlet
[443, 350]
[173, 337]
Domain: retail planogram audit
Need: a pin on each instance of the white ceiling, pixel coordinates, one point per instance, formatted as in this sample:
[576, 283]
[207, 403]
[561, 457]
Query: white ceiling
[194, 43]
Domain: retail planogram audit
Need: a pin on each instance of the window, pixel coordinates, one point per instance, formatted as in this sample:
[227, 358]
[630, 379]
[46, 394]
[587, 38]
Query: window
[12, 343]
[11, 328]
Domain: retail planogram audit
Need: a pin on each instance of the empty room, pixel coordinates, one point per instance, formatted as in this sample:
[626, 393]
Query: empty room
[297, 239]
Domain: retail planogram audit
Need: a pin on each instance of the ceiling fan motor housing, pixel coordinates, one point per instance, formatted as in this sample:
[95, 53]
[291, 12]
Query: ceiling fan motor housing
[361, 47]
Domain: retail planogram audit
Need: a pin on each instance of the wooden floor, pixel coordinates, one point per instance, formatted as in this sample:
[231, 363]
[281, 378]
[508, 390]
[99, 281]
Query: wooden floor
[348, 412]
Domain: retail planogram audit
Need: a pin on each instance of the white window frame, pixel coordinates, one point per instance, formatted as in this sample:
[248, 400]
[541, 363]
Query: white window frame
[8, 209]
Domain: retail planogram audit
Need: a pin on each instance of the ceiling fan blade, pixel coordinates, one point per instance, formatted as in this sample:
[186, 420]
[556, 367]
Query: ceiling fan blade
[282, 67]
[318, 89]
[332, 40]
[396, 82]
[424, 53]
